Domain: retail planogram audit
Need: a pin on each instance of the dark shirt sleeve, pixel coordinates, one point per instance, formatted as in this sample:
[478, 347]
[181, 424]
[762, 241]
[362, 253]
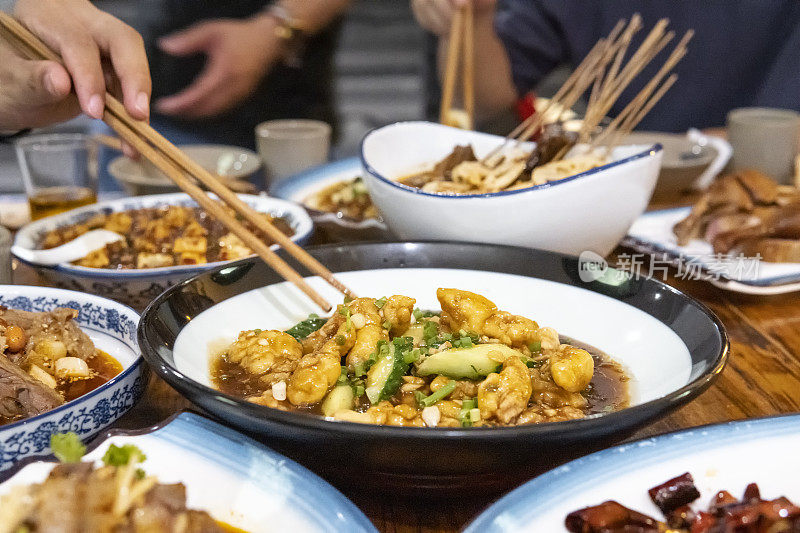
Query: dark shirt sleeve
[532, 39]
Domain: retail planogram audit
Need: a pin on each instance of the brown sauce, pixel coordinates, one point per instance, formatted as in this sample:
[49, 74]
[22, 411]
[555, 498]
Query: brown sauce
[104, 368]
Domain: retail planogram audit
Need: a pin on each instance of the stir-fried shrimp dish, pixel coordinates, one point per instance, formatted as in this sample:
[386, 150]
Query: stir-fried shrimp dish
[384, 361]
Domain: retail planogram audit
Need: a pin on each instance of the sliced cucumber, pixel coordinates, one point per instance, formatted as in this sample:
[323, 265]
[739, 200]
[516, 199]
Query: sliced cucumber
[465, 363]
[386, 375]
[416, 332]
[342, 397]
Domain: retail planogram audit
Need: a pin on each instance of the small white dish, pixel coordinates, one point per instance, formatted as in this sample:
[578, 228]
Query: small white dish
[236, 480]
[142, 177]
[589, 211]
[719, 457]
[112, 328]
[652, 234]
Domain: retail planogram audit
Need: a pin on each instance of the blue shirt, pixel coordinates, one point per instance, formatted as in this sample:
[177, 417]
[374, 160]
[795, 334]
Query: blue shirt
[744, 52]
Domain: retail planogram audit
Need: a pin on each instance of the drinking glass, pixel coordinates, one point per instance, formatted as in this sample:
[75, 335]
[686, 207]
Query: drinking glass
[59, 172]
[289, 146]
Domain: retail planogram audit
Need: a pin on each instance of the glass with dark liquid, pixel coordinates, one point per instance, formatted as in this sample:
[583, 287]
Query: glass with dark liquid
[60, 172]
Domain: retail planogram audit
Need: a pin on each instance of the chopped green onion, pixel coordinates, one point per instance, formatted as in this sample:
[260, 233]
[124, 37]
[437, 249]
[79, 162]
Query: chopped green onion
[67, 447]
[340, 340]
[419, 397]
[140, 474]
[348, 299]
[359, 370]
[387, 325]
[474, 415]
[440, 394]
[412, 356]
[535, 347]
[359, 391]
[429, 331]
[257, 331]
[531, 363]
[380, 302]
[466, 406]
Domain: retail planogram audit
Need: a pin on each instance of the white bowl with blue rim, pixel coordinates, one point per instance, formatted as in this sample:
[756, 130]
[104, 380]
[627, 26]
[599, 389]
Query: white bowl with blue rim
[137, 287]
[236, 480]
[589, 211]
[112, 328]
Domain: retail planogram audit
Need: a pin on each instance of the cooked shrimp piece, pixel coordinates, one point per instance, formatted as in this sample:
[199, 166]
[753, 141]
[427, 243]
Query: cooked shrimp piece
[505, 395]
[271, 354]
[572, 368]
[398, 311]
[513, 330]
[317, 372]
[464, 310]
[366, 320]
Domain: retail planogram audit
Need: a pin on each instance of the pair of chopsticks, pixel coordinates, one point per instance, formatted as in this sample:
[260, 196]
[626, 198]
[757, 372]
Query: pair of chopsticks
[461, 46]
[186, 174]
[606, 71]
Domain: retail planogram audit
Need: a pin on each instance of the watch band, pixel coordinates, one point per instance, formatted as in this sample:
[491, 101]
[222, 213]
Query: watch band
[290, 31]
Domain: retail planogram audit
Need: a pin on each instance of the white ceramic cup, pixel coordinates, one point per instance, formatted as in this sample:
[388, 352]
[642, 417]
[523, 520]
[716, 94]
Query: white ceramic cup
[290, 146]
[764, 139]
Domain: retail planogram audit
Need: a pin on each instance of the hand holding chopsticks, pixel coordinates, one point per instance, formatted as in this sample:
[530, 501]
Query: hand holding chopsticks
[187, 174]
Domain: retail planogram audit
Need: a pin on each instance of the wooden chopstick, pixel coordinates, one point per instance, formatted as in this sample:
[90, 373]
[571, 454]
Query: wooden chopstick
[170, 160]
[461, 46]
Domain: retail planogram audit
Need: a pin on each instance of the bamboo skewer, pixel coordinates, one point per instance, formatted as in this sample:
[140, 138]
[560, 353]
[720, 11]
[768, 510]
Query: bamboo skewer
[461, 47]
[170, 160]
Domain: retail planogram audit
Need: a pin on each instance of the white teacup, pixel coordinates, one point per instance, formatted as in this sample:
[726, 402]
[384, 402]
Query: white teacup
[290, 146]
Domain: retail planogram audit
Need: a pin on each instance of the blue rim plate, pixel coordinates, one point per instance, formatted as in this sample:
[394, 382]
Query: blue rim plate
[229, 460]
[299, 187]
[724, 456]
[652, 234]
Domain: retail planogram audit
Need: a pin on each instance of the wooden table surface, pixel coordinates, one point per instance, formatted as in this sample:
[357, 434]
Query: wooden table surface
[762, 378]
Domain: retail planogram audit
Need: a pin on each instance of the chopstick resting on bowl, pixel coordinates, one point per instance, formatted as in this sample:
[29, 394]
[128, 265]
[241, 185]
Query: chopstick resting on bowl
[461, 46]
[186, 174]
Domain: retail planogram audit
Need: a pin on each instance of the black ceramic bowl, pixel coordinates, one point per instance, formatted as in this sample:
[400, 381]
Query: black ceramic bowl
[442, 460]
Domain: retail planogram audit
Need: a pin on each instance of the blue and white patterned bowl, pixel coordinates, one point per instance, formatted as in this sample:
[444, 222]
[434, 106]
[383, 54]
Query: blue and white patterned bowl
[138, 287]
[232, 477]
[112, 328]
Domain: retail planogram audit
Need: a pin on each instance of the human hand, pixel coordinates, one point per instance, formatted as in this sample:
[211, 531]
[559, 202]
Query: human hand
[97, 49]
[436, 15]
[239, 53]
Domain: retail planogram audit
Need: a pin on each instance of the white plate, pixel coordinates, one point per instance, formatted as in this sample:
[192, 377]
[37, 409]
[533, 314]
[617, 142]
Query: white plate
[233, 478]
[652, 234]
[720, 457]
[654, 355]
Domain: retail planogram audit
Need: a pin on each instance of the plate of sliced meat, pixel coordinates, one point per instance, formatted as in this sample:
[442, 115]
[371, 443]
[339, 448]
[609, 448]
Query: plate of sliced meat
[743, 234]
[737, 476]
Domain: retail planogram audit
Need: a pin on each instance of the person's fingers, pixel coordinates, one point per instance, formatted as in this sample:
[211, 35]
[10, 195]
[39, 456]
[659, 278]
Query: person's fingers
[190, 41]
[50, 82]
[209, 81]
[125, 50]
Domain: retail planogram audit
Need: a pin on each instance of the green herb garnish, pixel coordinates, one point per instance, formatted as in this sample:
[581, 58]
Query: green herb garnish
[380, 302]
[535, 347]
[67, 447]
[123, 455]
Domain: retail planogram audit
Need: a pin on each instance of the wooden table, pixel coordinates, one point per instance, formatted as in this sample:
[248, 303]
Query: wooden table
[762, 378]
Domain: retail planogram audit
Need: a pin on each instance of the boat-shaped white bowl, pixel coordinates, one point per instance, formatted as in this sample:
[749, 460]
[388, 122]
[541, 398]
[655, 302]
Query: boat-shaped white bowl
[112, 328]
[589, 211]
[137, 287]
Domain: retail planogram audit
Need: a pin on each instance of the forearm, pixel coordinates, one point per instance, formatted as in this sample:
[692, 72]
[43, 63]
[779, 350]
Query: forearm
[314, 15]
[494, 86]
